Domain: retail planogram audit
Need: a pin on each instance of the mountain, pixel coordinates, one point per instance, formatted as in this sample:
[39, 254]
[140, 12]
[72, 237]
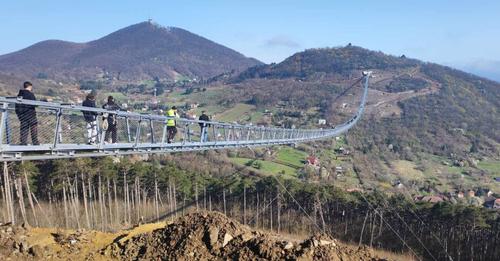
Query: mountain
[338, 61]
[141, 51]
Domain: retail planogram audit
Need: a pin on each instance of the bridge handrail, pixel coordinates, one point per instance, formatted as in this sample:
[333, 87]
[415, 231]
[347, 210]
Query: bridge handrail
[232, 132]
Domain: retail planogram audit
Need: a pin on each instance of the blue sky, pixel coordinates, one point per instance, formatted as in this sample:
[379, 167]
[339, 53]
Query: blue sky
[459, 33]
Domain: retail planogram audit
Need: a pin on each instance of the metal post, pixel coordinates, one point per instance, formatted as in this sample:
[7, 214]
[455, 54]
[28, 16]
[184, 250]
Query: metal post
[240, 136]
[138, 132]
[164, 134]
[215, 135]
[3, 124]
[98, 128]
[185, 135]
[202, 133]
[103, 134]
[58, 125]
[128, 130]
[7, 128]
[152, 131]
[189, 133]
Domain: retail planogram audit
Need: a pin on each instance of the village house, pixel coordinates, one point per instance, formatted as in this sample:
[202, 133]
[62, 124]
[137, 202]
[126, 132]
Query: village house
[313, 161]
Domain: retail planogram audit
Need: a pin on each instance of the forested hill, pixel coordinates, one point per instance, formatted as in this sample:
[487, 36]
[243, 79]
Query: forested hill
[141, 51]
[415, 109]
[341, 61]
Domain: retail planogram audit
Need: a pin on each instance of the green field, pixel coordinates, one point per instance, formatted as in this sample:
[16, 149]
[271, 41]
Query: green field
[491, 166]
[240, 112]
[267, 166]
[210, 110]
[291, 156]
[407, 169]
[210, 96]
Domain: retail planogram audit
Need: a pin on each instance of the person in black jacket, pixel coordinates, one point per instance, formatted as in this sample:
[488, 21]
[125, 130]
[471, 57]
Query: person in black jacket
[204, 126]
[27, 115]
[90, 119]
[111, 131]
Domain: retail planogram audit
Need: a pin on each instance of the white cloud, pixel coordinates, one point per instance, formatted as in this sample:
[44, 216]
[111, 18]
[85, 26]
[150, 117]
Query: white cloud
[282, 41]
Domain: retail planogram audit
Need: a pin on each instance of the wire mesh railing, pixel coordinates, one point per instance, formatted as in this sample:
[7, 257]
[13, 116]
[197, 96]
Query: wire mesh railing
[44, 130]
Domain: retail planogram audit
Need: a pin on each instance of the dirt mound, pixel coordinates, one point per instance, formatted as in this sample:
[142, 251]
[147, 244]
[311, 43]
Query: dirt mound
[27, 243]
[213, 236]
[12, 242]
[196, 236]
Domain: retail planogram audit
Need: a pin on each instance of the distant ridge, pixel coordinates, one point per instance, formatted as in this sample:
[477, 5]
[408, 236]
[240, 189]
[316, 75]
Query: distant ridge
[141, 51]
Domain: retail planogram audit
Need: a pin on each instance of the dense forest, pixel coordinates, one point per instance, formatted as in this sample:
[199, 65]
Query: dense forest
[111, 193]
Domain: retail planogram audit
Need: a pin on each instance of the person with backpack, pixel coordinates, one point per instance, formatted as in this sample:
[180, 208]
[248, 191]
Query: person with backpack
[171, 124]
[27, 115]
[204, 126]
[90, 119]
[110, 120]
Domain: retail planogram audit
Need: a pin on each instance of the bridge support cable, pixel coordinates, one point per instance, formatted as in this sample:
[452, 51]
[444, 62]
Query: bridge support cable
[60, 131]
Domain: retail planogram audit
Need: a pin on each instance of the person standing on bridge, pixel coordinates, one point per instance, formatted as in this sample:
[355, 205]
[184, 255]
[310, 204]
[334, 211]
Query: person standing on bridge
[172, 124]
[90, 118]
[111, 130]
[204, 126]
[27, 115]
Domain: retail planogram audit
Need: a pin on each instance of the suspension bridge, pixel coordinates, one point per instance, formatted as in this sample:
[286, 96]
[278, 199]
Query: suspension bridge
[62, 132]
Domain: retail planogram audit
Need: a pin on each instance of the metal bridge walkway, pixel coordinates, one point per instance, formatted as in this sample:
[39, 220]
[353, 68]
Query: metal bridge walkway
[62, 132]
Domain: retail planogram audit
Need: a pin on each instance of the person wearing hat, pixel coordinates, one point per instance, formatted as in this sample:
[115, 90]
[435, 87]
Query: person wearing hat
[90, 118]
[171, 124]
[27, 115]
[110, 118]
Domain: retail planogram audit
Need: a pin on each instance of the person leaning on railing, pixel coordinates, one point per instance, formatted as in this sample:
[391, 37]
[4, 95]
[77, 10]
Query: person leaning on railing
[110, 120]
[172, 124]
[90, 118]
[27, 115]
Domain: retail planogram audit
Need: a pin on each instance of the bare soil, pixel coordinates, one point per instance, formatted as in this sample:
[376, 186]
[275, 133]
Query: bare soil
[213, 236]
[195, 236]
